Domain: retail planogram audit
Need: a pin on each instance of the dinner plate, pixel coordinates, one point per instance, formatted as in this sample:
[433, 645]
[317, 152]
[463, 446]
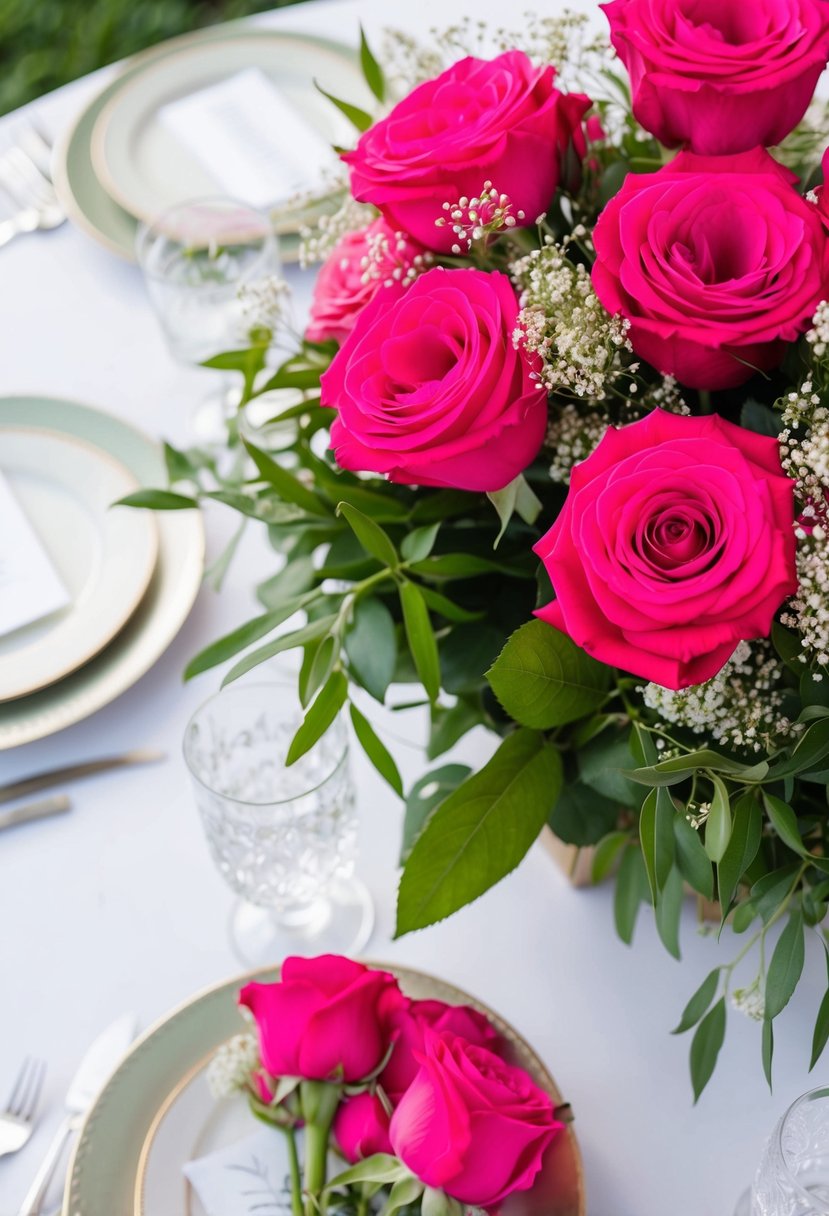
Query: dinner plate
[81, 192]
[150, 1118]
[105, 558]
[147, 169]
[168, 598]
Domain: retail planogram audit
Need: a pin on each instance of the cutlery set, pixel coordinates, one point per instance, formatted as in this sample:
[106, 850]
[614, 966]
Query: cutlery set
[26, 184]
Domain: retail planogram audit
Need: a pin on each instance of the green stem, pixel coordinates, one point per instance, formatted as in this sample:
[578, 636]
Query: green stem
[760, 935]
[296, 1178]
[705, 406]
[319, 1101]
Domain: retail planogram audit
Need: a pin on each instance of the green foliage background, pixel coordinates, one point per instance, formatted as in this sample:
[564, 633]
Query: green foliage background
[49, 42]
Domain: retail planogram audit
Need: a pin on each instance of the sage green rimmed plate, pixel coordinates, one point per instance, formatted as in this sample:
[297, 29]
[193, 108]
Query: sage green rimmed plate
[114, 1149]
[79, 188]
[166, 603]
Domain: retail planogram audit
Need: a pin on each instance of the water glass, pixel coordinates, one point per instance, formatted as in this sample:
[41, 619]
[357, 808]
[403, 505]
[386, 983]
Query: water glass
[283, 837]
[211, 267]
[793, 1176]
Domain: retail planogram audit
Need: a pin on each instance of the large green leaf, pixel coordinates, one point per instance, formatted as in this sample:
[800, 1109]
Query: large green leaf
[371, 646]
[376, 750]
[421, 638]
[542, 679]
[424, 796]
[581, 815]
[785, 967]
[746, 831]
[699, 1002]
[708, 1039]
[693, 861]
[718, 823]
[319, 717]
[656, 835]
[370, 535]
[480, 832]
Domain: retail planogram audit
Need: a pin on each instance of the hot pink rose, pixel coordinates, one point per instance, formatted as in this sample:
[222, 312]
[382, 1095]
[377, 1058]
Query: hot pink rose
[501, 120]
[676, 541]
[361, 1128]
[720, 77]
[413, 1022]
[471, 1125]
[717, 262]
[430, 390]
[360, 265]
[327, 1018]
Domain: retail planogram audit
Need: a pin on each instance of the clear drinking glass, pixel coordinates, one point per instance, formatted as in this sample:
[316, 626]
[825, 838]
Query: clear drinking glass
[283, 838]
[208, 265]
[793, 1176]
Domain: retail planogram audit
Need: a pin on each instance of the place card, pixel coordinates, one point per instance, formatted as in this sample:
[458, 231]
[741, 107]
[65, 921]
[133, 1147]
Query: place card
[30, 586]
[248, 1178]
[250, 138]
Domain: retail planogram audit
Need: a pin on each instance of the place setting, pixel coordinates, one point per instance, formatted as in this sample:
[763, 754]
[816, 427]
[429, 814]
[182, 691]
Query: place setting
[524, 538]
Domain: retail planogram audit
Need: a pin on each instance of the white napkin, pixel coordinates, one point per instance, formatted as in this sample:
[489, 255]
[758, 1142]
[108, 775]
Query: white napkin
[250, 138]
[30, 586]
[249, 1178]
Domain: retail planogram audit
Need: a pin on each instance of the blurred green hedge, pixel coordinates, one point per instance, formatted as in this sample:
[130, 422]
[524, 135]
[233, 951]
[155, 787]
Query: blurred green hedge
[45, 43]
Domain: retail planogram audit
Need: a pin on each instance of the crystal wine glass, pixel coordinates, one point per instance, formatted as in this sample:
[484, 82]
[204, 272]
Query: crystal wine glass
[793, 1176]
[283, 837]
[210, 267]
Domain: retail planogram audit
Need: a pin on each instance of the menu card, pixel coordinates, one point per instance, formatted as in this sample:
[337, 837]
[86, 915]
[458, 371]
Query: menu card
[30, 586]
[250, 138]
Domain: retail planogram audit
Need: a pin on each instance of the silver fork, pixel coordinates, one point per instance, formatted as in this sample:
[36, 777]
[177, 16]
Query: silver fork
[18, 1119]
[24, 178]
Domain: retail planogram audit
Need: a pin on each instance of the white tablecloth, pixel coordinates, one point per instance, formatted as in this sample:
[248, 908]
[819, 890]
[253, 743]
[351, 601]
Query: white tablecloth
[117, 906]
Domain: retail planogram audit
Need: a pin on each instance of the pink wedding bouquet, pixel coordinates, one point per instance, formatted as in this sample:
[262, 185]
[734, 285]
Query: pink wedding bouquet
[415, 1097]
[561, 460]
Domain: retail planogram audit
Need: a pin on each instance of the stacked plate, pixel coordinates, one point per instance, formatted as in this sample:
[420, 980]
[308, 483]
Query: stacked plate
[130, 576]
[120, 163]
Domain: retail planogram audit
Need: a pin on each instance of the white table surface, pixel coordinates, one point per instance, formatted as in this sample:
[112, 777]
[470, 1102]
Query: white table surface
[117, 907]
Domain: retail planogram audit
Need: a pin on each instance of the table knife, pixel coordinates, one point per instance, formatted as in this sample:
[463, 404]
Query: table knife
[94, 1070]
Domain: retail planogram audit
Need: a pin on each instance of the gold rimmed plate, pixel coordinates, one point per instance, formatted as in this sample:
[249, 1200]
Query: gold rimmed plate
[151, 1117]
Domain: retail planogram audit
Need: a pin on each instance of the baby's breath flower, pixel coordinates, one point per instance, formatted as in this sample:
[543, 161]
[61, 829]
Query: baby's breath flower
[740, 706]
[571, 437]
[751, 1000]
[389, 257]
[264, 302]
[317, 242]
[231, 1067]
[480, 217]
[562, 322]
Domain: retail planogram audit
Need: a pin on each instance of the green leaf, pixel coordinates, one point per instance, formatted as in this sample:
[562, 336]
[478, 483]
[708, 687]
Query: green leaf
[466, 565]
[157, 500]
[582, 816]
[788, 645]
[759, 418]
[784, 822]
[821, 1034]
[238, 639]
[707, 1041]
[319, 717]
[812, 747]
[372, 71]
[769, 891]
[656, 836]
[382, 1167]
[371, 646]
[767, 1045]
[370, 535]
[357, 117]
[419, 543]
[447, 608]
[718, 823]
[642, 747]
[403, 1193]
[693, 861]
[323, 661]
[746, 833]
[421, 638]
[606, 854]
[631, 891]
[288, 641]
[287, 486]
[466, 653]
[699, 1002]
[376, 751]
[179, 465]
[450, 725]
[602, 764]
[542, 679]
[669, 911]
[671, 772]
[424, 796]
[504, 503]
[480, 832]
[249, 362]
[292, 580]
[785, 967]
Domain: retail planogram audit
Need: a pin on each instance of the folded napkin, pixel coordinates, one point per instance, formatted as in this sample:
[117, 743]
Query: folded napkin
[30, 586]
[249, 1178]
[250, 138]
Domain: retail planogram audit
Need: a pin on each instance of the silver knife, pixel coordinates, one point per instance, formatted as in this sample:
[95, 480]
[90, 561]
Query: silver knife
[94, 1070]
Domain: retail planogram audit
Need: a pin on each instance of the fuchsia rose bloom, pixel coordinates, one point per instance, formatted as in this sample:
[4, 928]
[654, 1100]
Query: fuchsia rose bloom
[327, 1018]
[430, 390]
[412, 1024]
[675, 543]
[720, 76]
[360, 265]
[501, 120]
[717, 262]
[471, 1125]
[361, 1128]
